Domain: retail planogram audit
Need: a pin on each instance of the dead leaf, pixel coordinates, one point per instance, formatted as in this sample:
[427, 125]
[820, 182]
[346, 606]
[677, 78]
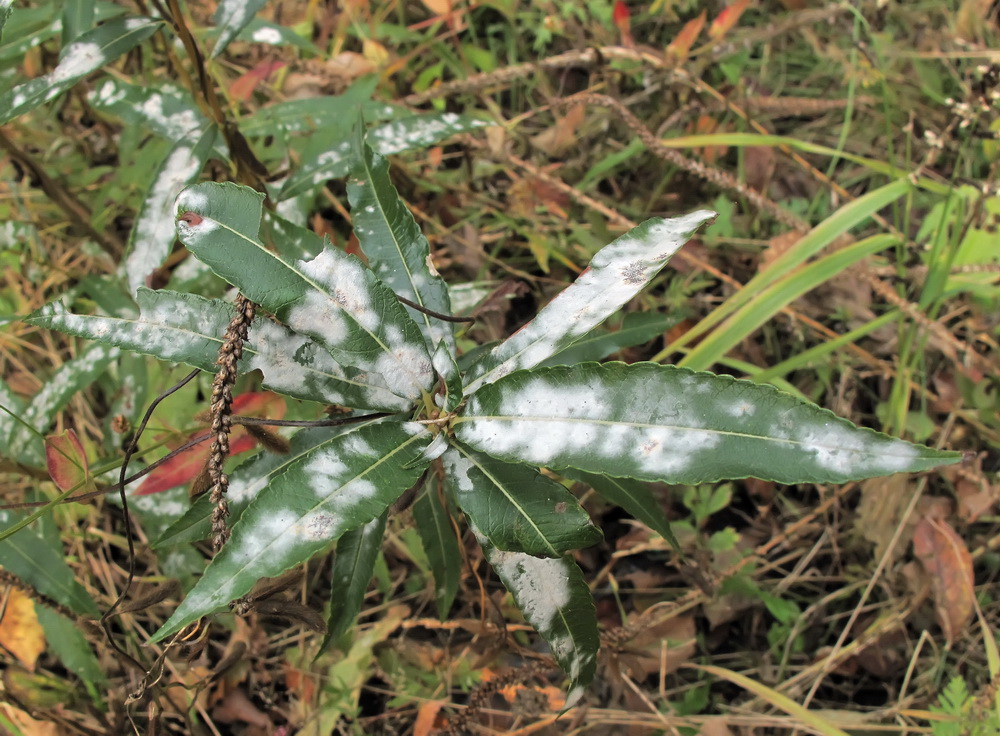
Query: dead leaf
[427, 718]
[26, 724]
[20, 632]
[438, 7]
[777, 246]
[947, 561]
[245, 85]
[680, 47]
[716, 726]
[375, 52]
[707, 125]
[728, 18]
[880, 511]
[623, 22]
[562, 134]
[67, 461]
[347, 66]
[236, 707]
[660, 648]
[759, 162]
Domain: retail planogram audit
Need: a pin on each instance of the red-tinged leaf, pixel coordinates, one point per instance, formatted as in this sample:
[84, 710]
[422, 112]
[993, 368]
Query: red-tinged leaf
[66, 460]
[178, 470]
[728, 18]
[680, 47]
[260, 404]
[244, 87]
[623, 22]
[947, 561]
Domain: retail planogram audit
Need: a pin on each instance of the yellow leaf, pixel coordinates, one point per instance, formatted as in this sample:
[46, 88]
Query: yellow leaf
[20, 632]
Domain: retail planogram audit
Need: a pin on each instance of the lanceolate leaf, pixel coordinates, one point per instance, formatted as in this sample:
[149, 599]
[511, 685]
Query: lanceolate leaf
[33, 559]
[656, 422]
[185, 328]
[91, 51]
[554, 598]
[635, 497]
[418, 131]
[332, 298]
[5, 11]
[446, 367]
[342, 485]
[397, 251]
[231, 17]
[71, 378]
[616, 274]
[437, 536]
[154, 231]
[11, 405]
[167, 111]
[77, 17]
[245, 483]
[66, 640]
[318, 113]
[516, 508]
[636, 328]
[353, 566]
[291, 241]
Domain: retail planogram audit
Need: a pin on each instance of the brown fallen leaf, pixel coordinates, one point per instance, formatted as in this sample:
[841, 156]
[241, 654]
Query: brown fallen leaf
[947, 561]
[562, 134]
[20, 632]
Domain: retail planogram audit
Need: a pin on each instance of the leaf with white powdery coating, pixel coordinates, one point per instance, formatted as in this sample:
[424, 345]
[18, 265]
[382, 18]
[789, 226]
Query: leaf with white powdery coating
[167, 111]
[656, 422]
[154, 232]
[342, 485]
[333, 298]
[405, 134]
[353, 566]
[5, 11]
[516, 508]
[245, 482]
[188, 329]
[232, 17]
[397, 251]
[554, 598]
[91, 51]
[617, 272]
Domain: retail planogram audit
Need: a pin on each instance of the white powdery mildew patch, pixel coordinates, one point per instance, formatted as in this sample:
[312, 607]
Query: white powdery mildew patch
[243, 489]
[406, 367]
[547, 424]
[325, 473]
[320, 316]
[109, 93]
[177, 125]
[340, 288]
[79, 59]
[458, 468]
[849, 452]
[155, 231]
[540, 586]
[155, 504]
[617, 273]
[267, 35]
[328, 161]
[406, 134]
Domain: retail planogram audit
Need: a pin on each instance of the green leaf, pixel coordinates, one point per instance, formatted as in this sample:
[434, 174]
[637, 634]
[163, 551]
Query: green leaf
[333, 114]
[446, 367]
[554, 598]
[333, 298]
[617, 273]
[71, 378]
[397, 251]
[517, 508]
[637, 328]
[245, 482]
[635, 497]
[168, 111]
[33, 559]
[154, 232]
[67, 642]
[77, 18]
[91, 51]
[185, 328]
[288, 239]
[405, 134]
[353, 566]
[437, 536]
[11, 405]
[5, 11]
[655, 422]
[342, 485]
[260, 31]
[231, 17]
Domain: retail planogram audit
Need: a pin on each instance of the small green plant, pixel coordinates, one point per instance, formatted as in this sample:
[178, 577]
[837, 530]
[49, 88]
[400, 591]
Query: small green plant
[377, 338]
[964, 715]
[336, 332]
